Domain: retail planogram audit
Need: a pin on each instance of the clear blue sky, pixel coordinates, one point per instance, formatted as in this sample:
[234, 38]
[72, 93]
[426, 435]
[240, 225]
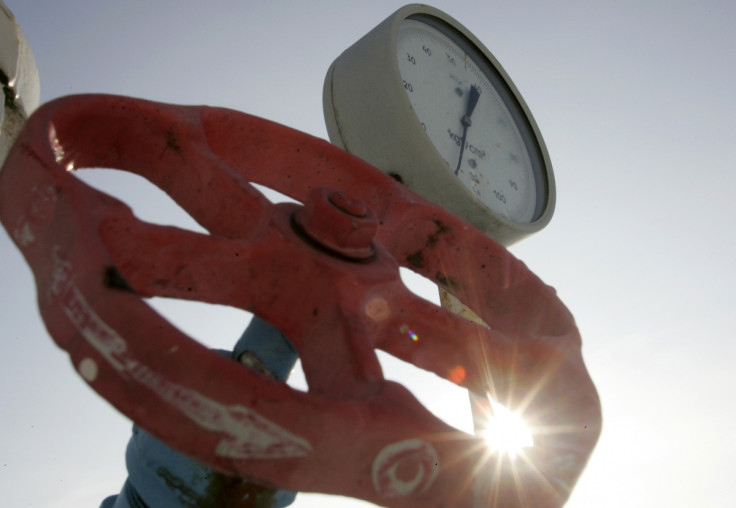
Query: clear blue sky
[635, 100]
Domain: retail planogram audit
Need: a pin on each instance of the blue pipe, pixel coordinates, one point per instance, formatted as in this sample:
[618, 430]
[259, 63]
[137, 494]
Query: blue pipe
[160, 477]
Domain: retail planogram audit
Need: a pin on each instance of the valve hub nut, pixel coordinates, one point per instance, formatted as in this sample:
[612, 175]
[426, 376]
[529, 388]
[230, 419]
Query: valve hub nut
[339, 222]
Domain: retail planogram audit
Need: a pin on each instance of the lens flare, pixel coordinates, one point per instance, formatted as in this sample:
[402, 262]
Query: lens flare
[505, 432]
[457, 374]
[413, 336]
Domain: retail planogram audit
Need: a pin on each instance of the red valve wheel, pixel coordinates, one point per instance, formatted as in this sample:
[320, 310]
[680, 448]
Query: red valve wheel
[326, 274]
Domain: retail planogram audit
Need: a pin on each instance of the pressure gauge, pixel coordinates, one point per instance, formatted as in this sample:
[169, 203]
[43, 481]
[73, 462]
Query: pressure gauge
[423, 100]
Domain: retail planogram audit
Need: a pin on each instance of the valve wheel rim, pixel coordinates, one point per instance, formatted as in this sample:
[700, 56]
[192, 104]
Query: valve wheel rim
[43, 207]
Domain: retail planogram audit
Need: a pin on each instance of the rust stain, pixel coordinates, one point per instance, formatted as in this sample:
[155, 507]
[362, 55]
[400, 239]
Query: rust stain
[435, 237]
[416, 259]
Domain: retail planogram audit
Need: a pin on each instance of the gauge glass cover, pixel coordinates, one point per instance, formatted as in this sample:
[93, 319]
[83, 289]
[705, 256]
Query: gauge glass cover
[471, 118]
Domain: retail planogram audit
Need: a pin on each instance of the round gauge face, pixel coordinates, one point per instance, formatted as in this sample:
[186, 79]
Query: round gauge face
[471, 117]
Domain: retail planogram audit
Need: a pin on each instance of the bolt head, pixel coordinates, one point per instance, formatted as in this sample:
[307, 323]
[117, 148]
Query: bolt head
[348, 204]
[339, 222]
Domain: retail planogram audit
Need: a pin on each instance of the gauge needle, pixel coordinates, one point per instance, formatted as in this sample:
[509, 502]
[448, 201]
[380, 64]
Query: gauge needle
[465, 120]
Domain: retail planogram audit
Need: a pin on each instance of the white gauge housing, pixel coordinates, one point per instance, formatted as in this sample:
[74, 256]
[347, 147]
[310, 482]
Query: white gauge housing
[423, 100]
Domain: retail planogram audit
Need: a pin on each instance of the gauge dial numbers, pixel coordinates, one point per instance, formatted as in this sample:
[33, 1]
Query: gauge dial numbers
[422, 99]
[469, 124]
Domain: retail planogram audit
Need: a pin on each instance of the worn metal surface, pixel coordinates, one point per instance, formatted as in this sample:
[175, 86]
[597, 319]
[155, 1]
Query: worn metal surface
[353, 433]
[18, 79]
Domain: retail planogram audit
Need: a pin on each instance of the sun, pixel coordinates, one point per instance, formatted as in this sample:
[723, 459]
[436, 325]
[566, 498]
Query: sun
[505, 432]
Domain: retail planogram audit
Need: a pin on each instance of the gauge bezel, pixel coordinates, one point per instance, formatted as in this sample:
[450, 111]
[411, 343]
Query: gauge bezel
[369, 114]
